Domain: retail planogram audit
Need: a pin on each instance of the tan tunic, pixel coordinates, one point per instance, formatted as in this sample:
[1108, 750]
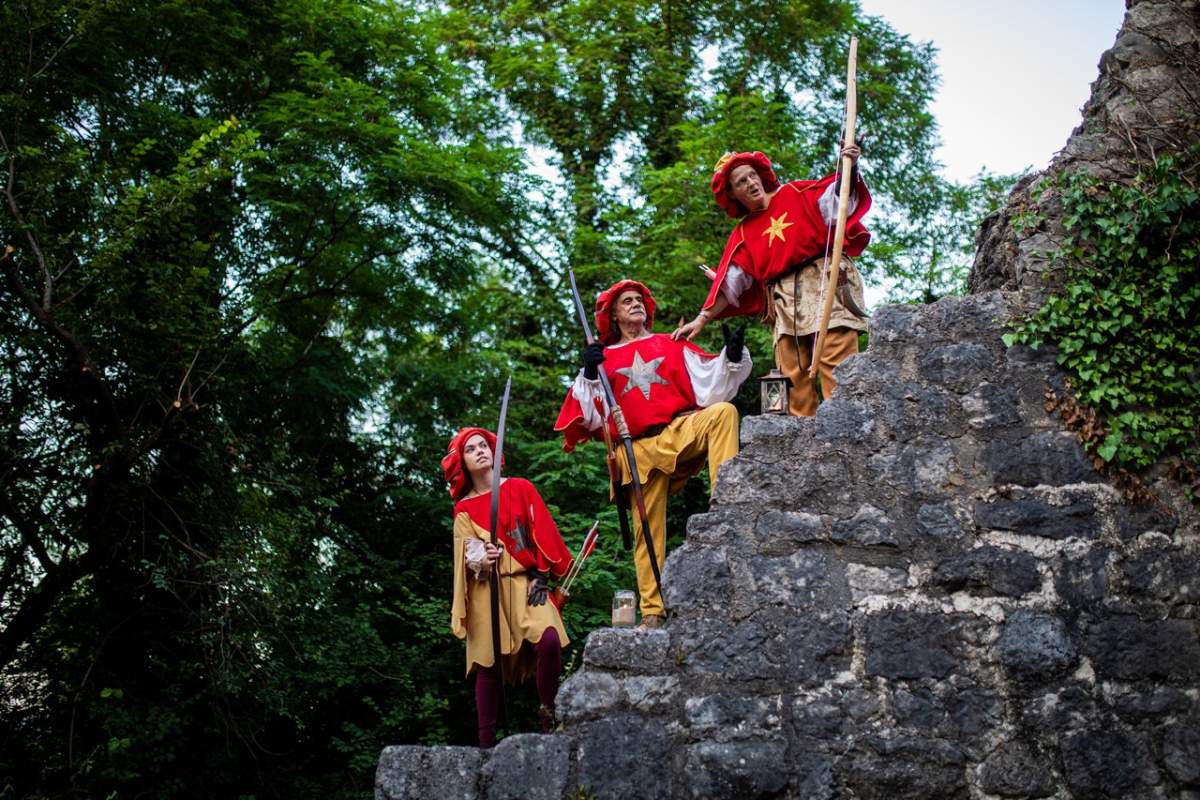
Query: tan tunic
[804, 317]
[471, 611]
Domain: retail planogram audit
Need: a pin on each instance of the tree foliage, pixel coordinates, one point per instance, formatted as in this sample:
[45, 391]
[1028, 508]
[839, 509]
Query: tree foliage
[267, 258]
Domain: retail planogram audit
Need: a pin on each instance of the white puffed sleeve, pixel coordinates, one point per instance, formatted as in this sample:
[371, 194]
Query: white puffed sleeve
[828, 203]
[715, 380]
[736, 282]
[476, 557]
[587, 392]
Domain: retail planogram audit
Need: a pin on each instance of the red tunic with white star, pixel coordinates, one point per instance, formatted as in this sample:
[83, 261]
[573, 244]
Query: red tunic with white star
[790, 231]
[525, 526]
[650, 380]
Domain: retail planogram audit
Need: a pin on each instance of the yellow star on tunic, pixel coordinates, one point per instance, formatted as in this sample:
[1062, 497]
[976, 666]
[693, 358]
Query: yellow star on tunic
[776, 228]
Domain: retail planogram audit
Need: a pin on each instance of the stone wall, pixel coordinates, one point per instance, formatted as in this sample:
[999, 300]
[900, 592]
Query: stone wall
[923, 592]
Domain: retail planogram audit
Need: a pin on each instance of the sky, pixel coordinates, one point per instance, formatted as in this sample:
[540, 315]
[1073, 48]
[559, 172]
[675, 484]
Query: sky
[1014, 73]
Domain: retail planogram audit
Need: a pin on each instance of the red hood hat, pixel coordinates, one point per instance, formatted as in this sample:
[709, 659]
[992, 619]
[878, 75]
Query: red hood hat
[606, 299]
[452, 464]
[720, 179]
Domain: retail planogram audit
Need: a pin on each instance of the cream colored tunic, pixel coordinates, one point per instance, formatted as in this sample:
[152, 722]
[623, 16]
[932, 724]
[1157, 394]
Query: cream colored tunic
[804, 317]
[471, 611]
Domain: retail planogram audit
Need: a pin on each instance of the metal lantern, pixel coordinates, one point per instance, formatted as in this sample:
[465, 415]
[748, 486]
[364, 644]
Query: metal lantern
[774, 386]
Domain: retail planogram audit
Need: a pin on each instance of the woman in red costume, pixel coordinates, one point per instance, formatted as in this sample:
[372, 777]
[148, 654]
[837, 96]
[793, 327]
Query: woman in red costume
[531, 550]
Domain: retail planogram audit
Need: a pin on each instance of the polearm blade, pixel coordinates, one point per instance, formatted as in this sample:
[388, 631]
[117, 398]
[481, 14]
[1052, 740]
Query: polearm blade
[613, 468]
[839, 235]
[626, 439]
[494, 576]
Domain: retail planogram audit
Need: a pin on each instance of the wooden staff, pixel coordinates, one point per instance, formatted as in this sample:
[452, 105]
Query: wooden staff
[839, 235]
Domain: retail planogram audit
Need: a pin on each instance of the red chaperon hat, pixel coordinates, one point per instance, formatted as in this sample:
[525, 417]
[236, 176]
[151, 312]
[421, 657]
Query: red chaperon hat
[452, 462]
[606, 299]
[720, 179]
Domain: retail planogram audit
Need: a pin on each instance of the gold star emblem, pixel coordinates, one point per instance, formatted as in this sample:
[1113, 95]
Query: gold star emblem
[776, 228]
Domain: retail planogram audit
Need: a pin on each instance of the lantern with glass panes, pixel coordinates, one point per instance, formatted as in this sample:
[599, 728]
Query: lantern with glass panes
[774, 386]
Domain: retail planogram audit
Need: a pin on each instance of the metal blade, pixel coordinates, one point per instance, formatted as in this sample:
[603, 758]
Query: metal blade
[496, 459]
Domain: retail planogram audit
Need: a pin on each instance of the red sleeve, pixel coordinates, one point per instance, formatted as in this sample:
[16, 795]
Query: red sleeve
[753, 300]
[553, 555]
[570, 422]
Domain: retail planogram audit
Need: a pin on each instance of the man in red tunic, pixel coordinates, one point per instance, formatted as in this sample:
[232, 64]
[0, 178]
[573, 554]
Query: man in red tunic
[776, 262]
[531, 629]
[675, 400]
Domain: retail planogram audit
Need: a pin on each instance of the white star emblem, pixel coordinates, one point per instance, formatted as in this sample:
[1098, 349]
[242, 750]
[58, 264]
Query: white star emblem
[642, 374]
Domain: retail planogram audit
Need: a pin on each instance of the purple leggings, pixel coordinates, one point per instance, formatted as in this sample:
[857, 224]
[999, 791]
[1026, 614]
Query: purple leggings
[548, 653]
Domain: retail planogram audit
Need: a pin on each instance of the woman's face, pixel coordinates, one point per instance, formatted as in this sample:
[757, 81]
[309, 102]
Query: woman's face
[477, 456]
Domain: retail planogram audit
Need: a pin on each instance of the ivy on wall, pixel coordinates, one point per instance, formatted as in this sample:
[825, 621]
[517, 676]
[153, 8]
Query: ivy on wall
[1126, 318]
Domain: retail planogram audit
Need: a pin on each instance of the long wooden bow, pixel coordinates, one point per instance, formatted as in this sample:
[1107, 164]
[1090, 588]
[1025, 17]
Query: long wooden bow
[839, 234]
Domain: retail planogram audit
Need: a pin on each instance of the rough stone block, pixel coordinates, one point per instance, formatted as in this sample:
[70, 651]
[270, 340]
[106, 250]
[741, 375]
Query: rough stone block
[913, 644]
[1013, 770]
[1036, 645]
[866, 581]
[1107, 762]
[414, 773]
[989, 571]
[804, 580]
[961, 367]
[1054, 458]
[625, 758]
[957, 710]
[745, 650]
[528, 766]
[652, 694]
[1054, 516]
[906, 768]
[724, 717]
[869, 527]
[818, 646]
[1181, 751]
[737, 769]
[587, 694]
[782, 532]
[696, 576]
[722, 527]
[991, 407]
[1128, 648]
[844, 421]
[628, 649]
[911, 410]
[920, 468]
[941, 522]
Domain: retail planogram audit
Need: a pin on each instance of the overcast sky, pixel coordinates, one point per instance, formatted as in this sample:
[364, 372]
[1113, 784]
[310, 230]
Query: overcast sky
[1014, 73]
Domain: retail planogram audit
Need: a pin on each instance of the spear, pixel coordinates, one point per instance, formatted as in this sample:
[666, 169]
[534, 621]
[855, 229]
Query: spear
[839, 235]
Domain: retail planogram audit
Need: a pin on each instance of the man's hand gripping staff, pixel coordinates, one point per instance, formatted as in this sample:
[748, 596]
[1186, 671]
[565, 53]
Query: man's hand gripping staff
[593, 349]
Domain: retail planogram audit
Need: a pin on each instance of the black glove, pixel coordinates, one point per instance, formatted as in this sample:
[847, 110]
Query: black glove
[593, 357]
[538, 588]
[735, 342]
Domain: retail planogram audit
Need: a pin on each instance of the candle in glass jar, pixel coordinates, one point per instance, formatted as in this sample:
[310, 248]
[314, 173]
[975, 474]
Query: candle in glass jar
[624, 611]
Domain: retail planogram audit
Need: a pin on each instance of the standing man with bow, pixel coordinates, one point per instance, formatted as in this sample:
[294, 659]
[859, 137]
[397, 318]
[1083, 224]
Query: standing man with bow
[781, 255]
[776, 260]
[675, 402]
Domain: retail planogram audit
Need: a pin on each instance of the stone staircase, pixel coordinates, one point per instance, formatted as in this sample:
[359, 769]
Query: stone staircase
[925, 591]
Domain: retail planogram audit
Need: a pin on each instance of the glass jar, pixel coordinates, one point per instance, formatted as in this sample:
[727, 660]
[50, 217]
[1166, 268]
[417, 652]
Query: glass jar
[624, 609]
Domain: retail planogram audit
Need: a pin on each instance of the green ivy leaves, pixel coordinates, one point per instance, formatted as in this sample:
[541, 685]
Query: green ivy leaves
[1125, 320]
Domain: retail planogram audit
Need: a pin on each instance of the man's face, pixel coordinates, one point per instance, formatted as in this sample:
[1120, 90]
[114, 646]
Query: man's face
[630, 308]
[476, 454]
[747, 188]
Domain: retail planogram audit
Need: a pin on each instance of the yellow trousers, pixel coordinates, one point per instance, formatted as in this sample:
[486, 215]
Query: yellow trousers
[665, 462]
[802, 397]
